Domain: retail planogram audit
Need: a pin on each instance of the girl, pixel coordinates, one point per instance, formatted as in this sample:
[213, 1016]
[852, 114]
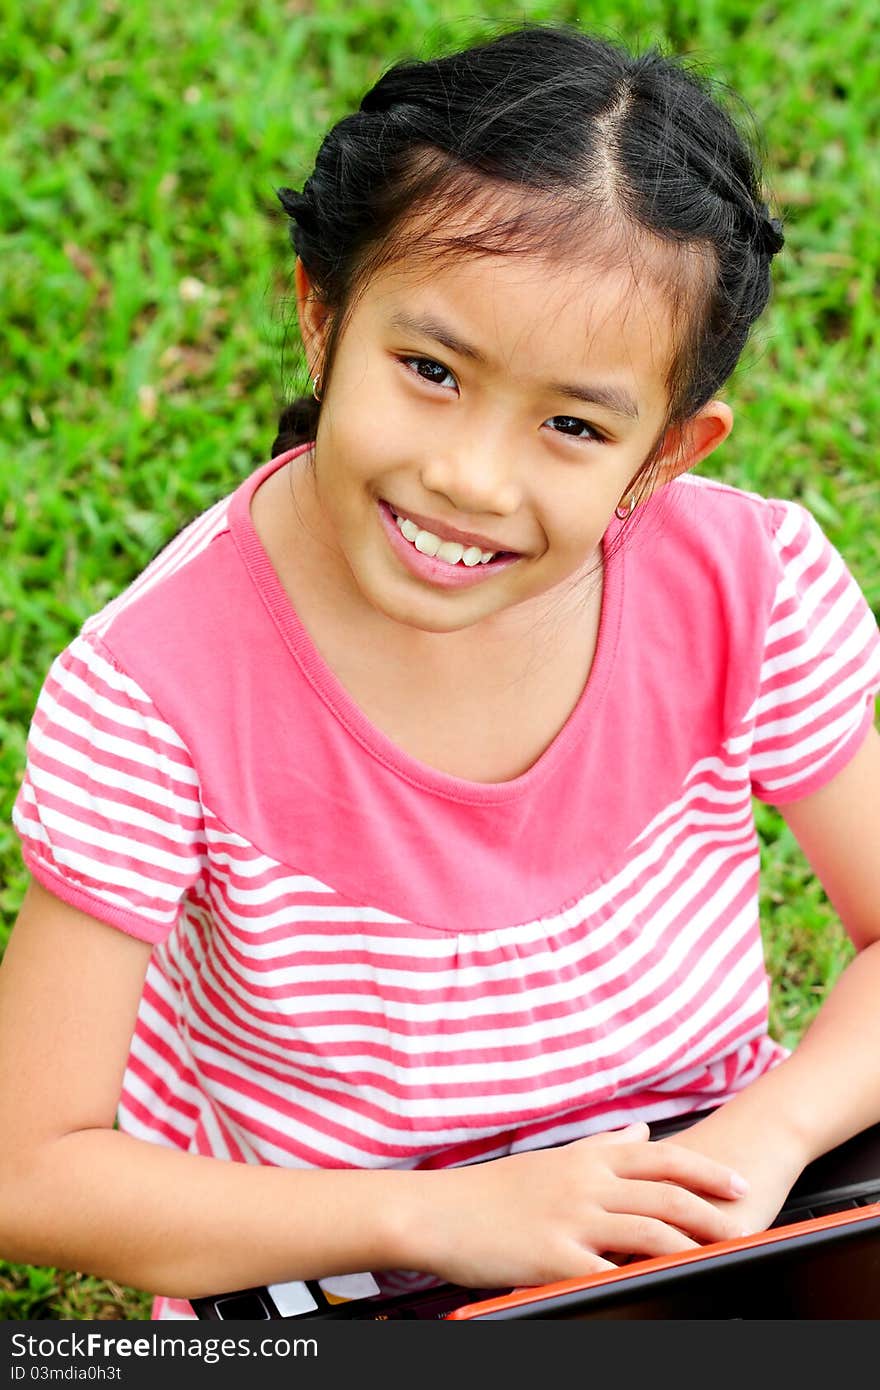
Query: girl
[399, 814]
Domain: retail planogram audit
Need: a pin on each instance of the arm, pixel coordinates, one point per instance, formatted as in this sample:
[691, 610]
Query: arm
[829, 1088]
[76, 1193]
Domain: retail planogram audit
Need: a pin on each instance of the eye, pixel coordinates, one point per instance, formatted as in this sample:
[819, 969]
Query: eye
[579, 425]
[439, 370]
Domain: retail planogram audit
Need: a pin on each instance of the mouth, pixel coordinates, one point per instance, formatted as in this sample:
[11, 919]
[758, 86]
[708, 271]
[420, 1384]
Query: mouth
[435, 570]
[456, 548]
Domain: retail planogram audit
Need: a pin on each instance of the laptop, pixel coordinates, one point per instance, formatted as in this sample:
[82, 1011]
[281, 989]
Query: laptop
[820, 1259]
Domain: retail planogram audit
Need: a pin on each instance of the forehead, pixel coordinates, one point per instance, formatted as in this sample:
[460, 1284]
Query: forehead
[540, 318]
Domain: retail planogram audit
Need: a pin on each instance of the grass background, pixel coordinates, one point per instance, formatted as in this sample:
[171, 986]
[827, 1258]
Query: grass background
[147, 338]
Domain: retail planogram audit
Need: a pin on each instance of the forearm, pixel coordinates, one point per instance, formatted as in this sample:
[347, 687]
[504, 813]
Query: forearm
[154, 1218]
[829, 1088]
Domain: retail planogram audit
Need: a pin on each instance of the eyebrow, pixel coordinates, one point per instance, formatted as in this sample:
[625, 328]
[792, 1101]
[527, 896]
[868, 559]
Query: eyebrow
[613, 398]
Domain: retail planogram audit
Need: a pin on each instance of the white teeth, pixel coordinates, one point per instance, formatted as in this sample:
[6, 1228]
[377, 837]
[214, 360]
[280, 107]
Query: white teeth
[450, 551]
[426, 543]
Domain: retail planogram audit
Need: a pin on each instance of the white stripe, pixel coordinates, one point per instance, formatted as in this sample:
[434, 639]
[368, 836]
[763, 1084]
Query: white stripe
[116, 711]
[119, 813]
[400, 1114]
[807, 601]
[289, 913]
[795, 519]
[285, 886]
[821, 646]
[803, 530]
[142, 1091]
[554, 955]
[430, 946]
[777, 783]
[825, 741]
[610, 1116]
[739, 744]
[519, 1034]
[842, 693]
[687, 819]
[144, 1052]
[218, 1145]
[113, 678]
[105, 840]
[113, 745]
[133, 1125]
[110, 776]
[663, 974]
[105, 874]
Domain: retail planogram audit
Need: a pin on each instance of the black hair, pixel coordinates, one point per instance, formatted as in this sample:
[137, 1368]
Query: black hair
[563, 139]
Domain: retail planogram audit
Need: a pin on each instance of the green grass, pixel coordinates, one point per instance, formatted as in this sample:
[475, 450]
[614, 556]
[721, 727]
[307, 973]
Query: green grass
[145, 301]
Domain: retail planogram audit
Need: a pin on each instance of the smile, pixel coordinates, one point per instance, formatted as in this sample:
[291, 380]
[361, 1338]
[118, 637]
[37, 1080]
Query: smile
[453, 552]
[448, 564]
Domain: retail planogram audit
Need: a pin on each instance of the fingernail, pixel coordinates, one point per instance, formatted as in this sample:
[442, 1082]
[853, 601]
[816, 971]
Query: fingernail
[738, 1185]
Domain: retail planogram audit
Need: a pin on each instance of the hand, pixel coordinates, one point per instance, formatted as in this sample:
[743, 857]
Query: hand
[770, 1161]
[551, 1214]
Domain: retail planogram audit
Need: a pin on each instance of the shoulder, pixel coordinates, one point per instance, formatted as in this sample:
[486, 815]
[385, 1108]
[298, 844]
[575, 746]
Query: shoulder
[189, 611]
[705, 572]
[704, 506]
[737, 543]
[718, 544]
[166, 577]
[761, 548]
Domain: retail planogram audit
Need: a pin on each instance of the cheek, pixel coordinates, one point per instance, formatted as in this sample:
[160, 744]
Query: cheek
[582, 520]
[370, 402]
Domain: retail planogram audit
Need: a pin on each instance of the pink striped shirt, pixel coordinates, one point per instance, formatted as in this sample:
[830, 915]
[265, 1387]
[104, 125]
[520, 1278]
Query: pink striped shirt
[361, 961]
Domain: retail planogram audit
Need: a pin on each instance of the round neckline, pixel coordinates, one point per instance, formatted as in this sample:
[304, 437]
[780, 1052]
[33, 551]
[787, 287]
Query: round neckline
[334, 694]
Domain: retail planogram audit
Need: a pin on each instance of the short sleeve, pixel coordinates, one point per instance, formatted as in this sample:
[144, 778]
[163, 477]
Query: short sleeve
[820, 671]
[108, 812]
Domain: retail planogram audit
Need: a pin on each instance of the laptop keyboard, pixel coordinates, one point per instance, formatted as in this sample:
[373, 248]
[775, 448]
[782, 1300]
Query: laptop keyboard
[789, 1215]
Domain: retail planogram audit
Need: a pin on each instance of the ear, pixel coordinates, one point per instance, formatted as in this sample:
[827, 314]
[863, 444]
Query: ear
[686, 445]
[314, 317]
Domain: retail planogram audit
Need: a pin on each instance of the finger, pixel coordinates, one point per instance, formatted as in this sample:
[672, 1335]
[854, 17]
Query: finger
[592, 1263]
[637, 1131]
[643, 1235]
[676, 1206]
[667, 1162]
[588, 1263]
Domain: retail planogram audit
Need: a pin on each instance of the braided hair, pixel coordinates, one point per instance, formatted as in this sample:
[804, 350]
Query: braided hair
[561, 140]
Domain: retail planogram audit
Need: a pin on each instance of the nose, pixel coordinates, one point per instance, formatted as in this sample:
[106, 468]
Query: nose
[474, 475]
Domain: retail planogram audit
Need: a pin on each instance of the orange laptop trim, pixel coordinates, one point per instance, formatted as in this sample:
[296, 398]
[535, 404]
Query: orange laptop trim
[521, 1298]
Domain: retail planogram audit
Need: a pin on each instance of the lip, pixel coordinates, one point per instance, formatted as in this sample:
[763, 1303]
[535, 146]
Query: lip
[437, 572]
[450, 533]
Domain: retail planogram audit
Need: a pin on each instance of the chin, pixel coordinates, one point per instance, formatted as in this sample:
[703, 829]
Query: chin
[420, 623]
[415, 613]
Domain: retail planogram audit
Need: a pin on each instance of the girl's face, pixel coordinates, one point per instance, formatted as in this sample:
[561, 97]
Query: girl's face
[495, 396]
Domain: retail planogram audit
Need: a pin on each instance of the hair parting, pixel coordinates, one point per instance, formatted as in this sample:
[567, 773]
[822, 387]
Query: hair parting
[541, 141]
